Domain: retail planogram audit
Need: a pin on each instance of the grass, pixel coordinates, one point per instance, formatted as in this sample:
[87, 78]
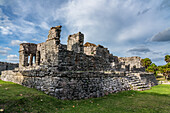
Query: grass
[16, 98]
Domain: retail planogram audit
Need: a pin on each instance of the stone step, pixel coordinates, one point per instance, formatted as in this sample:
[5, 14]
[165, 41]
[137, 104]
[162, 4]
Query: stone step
[135, 82]
[132, 78]
[142, 86]
[139, 84]
[142, 89]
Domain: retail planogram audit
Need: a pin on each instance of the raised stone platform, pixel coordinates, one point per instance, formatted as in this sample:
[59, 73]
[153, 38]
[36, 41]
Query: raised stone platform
[76, 70]
[76, 84]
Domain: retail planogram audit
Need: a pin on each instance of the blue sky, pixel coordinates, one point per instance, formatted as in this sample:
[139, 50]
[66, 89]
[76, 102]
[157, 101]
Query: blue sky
[126, 27]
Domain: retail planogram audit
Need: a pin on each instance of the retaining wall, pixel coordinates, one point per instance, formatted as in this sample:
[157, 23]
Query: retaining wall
[70, 85]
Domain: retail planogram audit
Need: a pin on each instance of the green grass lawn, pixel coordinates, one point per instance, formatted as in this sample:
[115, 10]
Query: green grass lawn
[16, 98]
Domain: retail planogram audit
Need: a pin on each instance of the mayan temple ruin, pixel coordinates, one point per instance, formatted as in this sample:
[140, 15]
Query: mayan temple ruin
[76, 70]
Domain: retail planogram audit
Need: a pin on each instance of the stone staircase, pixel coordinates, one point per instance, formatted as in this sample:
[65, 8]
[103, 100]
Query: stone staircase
[136, 83]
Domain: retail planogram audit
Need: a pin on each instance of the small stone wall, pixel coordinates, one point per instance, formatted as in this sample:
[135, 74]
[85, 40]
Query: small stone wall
[7, 66]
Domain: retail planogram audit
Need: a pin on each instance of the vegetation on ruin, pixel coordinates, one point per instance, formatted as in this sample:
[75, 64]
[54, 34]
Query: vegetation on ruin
[17, 98]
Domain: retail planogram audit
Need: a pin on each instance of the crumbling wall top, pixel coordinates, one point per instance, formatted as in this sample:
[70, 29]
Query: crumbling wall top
[70, 37]
[130, 58]
[56, 27]
[75, 42]
[54, 33]
[100, 46]
[88, 44]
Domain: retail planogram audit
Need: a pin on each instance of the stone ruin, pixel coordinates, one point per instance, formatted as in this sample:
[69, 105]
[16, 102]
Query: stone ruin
[76, 70]
[7, 66]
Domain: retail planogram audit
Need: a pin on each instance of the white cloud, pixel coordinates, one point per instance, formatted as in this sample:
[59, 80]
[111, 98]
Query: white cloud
[120, 25]
[44, 25]
[91, 17]
[17, 42]
[112, 20]
[12, 58]
[7, 48]
[4, 50]
[17, 27]
[5, 30]
[34, 39]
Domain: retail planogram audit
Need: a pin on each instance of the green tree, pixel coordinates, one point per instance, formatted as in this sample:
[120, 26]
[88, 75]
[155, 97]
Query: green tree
[152, 68]
[167, 58]
[165, 70]
[146, 62]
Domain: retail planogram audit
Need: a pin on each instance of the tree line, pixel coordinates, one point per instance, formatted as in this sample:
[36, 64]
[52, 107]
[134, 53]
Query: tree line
[152, 67]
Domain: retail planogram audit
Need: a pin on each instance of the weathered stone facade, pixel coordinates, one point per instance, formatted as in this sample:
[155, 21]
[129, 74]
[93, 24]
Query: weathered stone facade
[7, 66]
[99, 50]
[76, 71]
[131, 63]
[75, 42]
[27, 52]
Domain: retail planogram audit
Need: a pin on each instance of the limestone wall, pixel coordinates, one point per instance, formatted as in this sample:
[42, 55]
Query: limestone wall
[148, 78]
[53, 54]
[93, 50]
[131, 63]
[54, 33]
[7, 66]
[75, 42]
[69, 85]
[72, 61]
[26, 54]
[74, 84]
[90, 49]
[48, 52]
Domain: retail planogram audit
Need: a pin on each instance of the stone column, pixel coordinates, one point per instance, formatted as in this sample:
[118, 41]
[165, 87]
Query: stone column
[37, 58]
[31, 60]
[23, 59]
